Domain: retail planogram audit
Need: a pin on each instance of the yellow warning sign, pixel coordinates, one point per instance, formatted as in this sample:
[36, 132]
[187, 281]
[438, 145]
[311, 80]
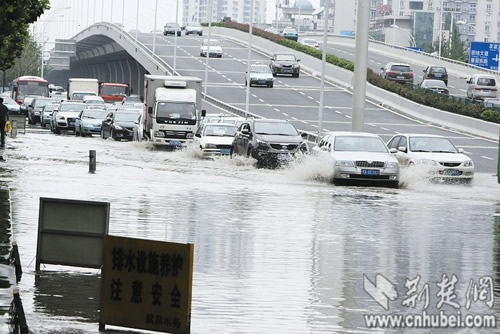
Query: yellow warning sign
[147, 284]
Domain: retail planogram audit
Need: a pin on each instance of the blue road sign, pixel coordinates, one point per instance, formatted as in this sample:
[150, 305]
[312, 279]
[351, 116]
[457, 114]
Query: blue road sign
[484, 54]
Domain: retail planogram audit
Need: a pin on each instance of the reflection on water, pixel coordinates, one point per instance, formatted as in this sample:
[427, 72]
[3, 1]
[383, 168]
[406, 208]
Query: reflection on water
[275, 250]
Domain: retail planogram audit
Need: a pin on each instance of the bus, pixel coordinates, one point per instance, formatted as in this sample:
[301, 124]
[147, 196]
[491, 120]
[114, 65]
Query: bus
[112, 92]
[28, 85]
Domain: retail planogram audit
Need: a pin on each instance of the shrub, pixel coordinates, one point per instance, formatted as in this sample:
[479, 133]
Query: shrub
[491, 115]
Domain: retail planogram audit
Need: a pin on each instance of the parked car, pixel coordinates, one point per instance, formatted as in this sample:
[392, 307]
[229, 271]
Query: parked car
[260, 74]
[119, 125]
[397, 72]
[269, 141]
[272, 30]
[215, 138]
[290, 33]
[64, 116]
[441, 159]
[194, 28]
[310, 42]
[437, 86]
[285, 63]
[35, 109]
[358, 158]
[172, 28]
[46, 115]
[12, 105]
[482, 86]
[89, 122]
[215, 48]
[437, 73]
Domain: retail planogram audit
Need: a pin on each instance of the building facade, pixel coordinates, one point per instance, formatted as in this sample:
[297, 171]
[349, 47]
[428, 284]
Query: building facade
[236, 10]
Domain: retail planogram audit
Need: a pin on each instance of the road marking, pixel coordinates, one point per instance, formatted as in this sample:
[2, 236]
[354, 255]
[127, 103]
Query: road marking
[463, 90]
[254, 95]
[261, 100]
[451, 86]
[310, 98]
[285, 114]
[385, 129]
[276, 109]
[295, 119]
[269, 105]
[347, 116]
[314, 125]
[304, 122]
[488, 158]
[370, 124]
[302, 93]
[338, 112]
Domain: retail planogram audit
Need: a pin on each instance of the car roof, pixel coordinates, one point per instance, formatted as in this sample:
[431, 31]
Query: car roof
[398, 64]
[418, 135]
[434, 81]
[436, 66]
[268, 120]
[489, 76]
[352, 133]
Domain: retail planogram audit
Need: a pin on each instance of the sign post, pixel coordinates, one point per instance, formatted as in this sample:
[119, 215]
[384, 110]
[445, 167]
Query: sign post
[147, 285]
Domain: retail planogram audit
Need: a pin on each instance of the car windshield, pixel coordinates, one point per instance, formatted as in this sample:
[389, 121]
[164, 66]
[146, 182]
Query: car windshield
[359, 144]
[41, 103]
[194, 24]
[486, 82]
[433, 84]
[81, 95]
[114, 90]
[275, 128]
[50, 107]
[72, 107]
[289, 31]
[438, 70]
[431, 144]
[126, 117]
[220, 130]
[8, 100]
[173, 110]
[400, 68]
[172, 25]
[285, 57]
[212, 43]
[260, 69]
[94, 114]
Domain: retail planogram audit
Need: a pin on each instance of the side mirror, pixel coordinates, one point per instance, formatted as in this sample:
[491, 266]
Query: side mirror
[402, 148]
[203, 113]
[324, 148]
[303, 135]
[150, 110]
[381, 68]
[298, 59]
[245, 131]
[460, 150]
[393, 150]
[198, 135]
[423, 71]
[468, 81]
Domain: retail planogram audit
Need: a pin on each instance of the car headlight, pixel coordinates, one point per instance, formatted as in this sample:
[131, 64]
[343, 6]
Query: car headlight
[427, 162]
[262, 144]
[60, 117]
[344, 163]
[210, 146]
[189, 135]
[277, 65]
[117, 127]
[468, 163]
[304, 147]
[391, 165]
[159, 134]
[296, 65]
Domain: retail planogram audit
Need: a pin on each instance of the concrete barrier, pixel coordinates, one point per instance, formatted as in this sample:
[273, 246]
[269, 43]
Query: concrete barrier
[386, 99]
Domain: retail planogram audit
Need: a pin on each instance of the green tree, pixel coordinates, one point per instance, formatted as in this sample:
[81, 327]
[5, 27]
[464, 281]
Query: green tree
[15, 17]
[28, 62]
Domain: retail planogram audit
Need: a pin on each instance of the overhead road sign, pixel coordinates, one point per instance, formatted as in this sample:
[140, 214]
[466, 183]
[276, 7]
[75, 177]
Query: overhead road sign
[484, 54]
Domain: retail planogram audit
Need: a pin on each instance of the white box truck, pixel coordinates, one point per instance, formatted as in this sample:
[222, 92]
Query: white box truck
[79, 87]
[172, 109]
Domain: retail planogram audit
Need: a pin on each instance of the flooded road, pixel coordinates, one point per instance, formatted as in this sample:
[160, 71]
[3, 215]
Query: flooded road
[276, 251]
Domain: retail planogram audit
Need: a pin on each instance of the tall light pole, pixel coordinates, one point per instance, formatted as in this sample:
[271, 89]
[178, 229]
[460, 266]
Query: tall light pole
[276, 14]
[323, 68]
[361, 64]
[137, 21]
[412, 39]
[154, 28]
[175, 34]
[123, 15]
[440, 28]
[208, 46]
[250, 33]
[51, 16]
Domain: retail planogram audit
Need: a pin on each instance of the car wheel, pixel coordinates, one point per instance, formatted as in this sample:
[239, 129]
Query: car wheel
[164, 33]
[81, 133]
[186, 33]
[250, 153]
[296, 75]
[42, 125]
[220, 56]
[179, 33]
[274, 74]
[246, 83]
[76, 132]
[201, 34]
[271, 85]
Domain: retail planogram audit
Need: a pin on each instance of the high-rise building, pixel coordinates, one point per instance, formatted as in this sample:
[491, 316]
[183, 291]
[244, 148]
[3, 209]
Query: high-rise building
[236, 10]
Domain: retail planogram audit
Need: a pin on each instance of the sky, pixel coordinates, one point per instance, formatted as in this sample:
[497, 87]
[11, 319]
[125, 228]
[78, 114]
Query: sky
[67, 17]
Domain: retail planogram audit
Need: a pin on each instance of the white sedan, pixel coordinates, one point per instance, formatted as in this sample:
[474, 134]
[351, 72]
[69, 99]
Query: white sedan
[215, 49]
[215, 138]
[358, 158]
[441, 159]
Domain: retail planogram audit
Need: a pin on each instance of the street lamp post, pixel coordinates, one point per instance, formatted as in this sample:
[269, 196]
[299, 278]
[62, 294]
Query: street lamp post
[412, 39]
[175, 34]
[154, 29]
[440, 28]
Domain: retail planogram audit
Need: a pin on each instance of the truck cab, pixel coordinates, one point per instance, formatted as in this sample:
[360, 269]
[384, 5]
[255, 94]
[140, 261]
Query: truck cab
[172, 109]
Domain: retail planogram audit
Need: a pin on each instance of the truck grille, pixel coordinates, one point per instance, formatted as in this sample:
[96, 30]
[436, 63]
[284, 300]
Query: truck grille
[175, 134]
[363, 163]
[224, 146]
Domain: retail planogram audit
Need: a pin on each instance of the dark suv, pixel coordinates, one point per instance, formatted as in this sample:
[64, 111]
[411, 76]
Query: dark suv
[35, 109]
[397, 72]
[437, 73]
[269, 141]
[285, 63]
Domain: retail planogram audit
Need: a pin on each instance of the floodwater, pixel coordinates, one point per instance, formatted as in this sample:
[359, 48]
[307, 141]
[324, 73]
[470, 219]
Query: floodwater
[276, 251]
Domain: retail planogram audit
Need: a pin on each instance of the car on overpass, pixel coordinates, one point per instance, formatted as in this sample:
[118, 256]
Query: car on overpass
[193, 28]
[397, 72]
[310, 42]
[172, 28]
[439, 159]
[358, 158]
[260, 74]
[436, 73]
[285, 63]
[482, 86]
[215, 48]
[290, 33]
[437, 86]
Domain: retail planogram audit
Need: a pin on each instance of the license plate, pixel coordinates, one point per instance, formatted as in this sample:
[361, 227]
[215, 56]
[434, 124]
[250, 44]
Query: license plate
[175, 143]
[452, 172]
[283, 157]
[370, 172]
[287, 71]
[261, 81]
[71, 123]
[225, 150]
[400, 77]
[438, 75]
[485, 90]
